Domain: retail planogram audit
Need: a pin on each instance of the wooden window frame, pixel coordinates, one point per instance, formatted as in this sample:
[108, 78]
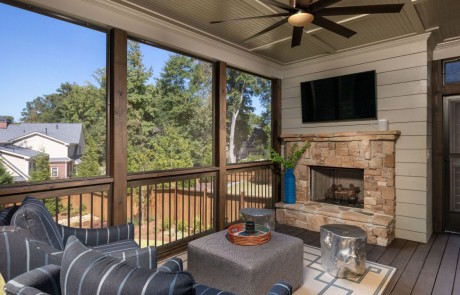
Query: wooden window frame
[117, 174]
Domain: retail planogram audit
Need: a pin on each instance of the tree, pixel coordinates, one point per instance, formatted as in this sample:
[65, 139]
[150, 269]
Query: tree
[241, 89]
[5, 176]
[89, 165]
[41, 171]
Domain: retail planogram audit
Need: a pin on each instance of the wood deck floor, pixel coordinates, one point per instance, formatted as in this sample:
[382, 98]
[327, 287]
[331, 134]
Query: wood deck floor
[431, 268]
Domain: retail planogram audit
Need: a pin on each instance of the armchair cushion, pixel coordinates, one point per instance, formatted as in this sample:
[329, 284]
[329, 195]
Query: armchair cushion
[20, 252]
[6, 215]
[38, 281]
[98, 236]
[33, 216]
[88, 271]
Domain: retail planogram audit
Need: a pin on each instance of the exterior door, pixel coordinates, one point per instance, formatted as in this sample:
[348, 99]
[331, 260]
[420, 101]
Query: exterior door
[452, 162]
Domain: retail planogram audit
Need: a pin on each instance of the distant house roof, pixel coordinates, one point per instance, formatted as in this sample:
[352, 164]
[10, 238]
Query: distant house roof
[65, 132]
[12, 149]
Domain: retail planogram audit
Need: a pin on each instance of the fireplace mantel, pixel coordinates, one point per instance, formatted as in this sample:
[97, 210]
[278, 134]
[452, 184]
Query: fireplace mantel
[372, 151]
[343, 136]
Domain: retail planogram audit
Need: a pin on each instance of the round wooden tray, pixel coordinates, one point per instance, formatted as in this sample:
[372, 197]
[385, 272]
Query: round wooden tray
[237, 235]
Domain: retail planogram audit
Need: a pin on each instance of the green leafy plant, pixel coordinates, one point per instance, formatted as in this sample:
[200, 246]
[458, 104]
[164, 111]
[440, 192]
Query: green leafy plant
[294, 155]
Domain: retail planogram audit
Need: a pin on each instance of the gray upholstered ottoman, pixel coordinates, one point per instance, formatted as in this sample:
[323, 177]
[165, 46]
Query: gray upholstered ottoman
[246, 270]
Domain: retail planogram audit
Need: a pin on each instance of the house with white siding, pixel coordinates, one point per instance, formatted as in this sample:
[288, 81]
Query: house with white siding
[21, 143]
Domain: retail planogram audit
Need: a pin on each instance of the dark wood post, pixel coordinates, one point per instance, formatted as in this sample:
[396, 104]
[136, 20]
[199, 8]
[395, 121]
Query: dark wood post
[117, 124]
[276, 132]
[220, 96]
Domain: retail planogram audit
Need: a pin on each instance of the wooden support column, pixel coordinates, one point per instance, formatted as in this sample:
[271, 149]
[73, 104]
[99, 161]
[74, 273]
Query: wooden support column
[276, 133]
[117, 122]
[220, 98]
[438, 152]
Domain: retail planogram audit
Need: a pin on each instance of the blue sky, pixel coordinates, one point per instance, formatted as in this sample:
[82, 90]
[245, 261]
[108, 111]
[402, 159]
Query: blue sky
[38, 53]
[43, 52]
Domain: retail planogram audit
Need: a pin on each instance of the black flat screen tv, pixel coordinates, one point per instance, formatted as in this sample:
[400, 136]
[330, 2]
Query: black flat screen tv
[343, 98]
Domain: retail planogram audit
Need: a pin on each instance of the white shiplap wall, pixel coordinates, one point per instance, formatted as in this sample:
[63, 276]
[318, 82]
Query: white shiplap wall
[402, 94]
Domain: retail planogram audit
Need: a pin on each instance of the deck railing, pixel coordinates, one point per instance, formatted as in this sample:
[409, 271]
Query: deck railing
[85, 207]
[248, 187]
[167, 209]
[172, 210]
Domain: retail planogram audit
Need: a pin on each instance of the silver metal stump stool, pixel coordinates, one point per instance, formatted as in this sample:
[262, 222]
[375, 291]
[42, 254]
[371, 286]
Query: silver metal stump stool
[260, 216]
[343, 250]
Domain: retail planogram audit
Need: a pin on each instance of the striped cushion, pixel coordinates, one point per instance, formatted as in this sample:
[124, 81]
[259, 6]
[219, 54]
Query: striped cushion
[88, 271]
[33, 216]
[38, 281]
[6, 215]
[115, 247]
[205, 290]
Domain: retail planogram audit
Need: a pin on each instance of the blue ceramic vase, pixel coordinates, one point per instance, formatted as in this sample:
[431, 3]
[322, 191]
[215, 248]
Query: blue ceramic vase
[289, 186]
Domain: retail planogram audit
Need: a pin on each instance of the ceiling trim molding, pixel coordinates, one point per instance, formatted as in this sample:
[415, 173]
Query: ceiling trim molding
[358, 51]
[174, 29]
[447, 49]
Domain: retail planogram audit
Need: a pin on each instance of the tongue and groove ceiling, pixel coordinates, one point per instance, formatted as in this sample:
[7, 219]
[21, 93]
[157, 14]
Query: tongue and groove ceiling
[440, 17]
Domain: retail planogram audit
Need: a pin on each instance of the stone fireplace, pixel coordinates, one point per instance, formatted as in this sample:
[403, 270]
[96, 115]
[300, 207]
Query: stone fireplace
[360, 161]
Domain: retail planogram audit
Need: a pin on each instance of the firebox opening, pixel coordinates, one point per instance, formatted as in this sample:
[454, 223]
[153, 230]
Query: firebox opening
[341, 186]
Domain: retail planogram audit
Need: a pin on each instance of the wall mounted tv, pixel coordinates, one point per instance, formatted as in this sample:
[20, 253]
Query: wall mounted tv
[349, 97]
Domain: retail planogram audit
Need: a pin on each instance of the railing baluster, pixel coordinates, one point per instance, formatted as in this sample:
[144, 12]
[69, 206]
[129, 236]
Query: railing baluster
[102, 210]
[183, 209]
[91, 211]
[148, 215]
[68, 210]
[139, 221]
[156, 213]
[162, 213]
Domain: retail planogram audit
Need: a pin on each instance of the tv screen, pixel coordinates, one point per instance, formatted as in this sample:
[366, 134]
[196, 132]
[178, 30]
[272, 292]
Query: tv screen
[349, 97]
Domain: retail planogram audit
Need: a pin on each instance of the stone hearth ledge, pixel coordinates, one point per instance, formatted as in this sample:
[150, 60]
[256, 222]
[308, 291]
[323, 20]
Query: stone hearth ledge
[311, 215]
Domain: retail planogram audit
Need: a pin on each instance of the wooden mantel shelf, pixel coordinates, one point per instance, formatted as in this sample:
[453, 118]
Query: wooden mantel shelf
[343, 136]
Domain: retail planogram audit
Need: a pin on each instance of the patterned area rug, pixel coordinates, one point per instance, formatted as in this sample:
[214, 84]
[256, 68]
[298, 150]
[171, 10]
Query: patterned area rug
[318, 281]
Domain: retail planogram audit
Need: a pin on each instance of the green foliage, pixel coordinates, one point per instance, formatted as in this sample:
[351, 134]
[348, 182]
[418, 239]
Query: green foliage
[294, 155]
[50, 204]
[242, 88]
[5, 176]
[182, 226]
[89, 165]
[41, 171]
[197, 224]
[166, 224]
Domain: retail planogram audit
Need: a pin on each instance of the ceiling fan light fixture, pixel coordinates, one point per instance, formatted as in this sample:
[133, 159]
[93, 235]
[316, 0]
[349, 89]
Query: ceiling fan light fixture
[301, 19]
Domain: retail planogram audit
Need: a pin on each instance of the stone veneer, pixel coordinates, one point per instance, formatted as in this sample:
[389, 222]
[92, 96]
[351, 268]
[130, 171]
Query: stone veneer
[372, 151]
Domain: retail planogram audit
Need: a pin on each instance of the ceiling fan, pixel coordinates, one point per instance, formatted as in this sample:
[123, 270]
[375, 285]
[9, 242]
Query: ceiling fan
[300, 13]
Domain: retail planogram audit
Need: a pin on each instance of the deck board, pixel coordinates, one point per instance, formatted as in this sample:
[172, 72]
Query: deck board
[431, 268]
[407, 280]
[427, 277]
[400, 262]
[446, 273]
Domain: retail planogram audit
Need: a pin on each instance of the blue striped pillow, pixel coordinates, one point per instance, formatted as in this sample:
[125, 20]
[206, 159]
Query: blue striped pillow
[6, 215]
[33, 216]
[88, 271]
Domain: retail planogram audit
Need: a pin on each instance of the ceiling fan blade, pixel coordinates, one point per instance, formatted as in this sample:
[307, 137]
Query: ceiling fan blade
[297, 33]
[368, 9]
[332, 26]
[320, 4]
[251, 17]
[279, 5]
[274, 26]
